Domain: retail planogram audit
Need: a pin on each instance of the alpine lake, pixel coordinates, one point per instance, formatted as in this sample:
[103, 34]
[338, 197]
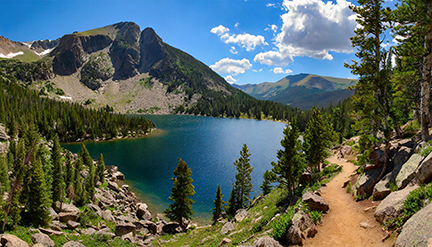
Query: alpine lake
[208, 145]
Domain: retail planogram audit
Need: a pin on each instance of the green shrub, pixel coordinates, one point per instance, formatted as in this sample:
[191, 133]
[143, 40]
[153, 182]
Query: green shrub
[425, 151]
[315, 216]
[281, 225]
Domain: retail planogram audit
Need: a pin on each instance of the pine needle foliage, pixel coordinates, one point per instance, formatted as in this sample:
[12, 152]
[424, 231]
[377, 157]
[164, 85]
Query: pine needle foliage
[181, 209]
[218, 203]
[58, 182]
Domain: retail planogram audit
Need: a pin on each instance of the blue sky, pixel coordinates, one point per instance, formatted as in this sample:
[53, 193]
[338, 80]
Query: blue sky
[249, 41]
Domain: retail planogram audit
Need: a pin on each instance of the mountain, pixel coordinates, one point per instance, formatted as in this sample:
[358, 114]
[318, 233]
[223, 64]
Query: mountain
[130, 70]
[302, 90]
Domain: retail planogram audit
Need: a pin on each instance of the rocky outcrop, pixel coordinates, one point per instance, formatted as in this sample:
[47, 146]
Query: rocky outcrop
[142, 212]
[152, 50]
[315, 202]
[124, 228]
[171, 228]
[226, 228]
[365, 182]
[391, 206]
[8, 240]
[44, 44]
[240, 215]
[408, 170]
[417, 231]
[70, 53]
[382, 188]
[40, 238]
[124, 51]
[98, 69]
[266, 241]
[424, 171]
[302, 226]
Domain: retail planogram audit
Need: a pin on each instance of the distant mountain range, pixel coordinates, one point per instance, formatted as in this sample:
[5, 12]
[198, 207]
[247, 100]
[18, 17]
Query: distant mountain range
[302, 90]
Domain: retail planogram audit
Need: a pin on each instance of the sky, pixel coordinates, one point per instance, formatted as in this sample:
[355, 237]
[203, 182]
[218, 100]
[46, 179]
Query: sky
[250, 41]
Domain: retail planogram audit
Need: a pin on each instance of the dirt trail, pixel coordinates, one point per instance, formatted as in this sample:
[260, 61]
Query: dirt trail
[341, 224]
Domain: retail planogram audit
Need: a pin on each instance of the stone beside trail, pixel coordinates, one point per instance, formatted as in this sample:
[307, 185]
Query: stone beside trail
[341, 225]
[417, 231]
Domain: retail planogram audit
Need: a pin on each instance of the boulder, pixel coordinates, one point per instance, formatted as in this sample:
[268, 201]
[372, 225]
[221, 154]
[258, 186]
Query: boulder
[40, 238]
[365, 182]
[51, 232]
[67, 216]
[390, 207]
[113, 186]
[302, 226]
[151, 226]
[118, 175]
[87, 231]
[57, 225]
[142, 212]
[240, 215]
[402, 155]
[266, 241]
[124, 228]
[3, 135]
[224, 241]
[382, 188]
[107, 215]
[73, 244]
[346, 150]
[424, 171]
[417, 231]
[408, 170]
[171, 228]
[9, 240]
[65, 207]
[226, 228]
[72, 224]
[53, 213]
[95, 208]
[105, 232]
[315, 202]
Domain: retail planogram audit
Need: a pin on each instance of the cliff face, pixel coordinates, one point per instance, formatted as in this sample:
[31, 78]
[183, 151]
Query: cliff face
[152, 50]
[45, 44]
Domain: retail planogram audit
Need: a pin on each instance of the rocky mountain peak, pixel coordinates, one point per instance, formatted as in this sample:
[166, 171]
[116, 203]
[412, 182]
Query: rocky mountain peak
[152, 49]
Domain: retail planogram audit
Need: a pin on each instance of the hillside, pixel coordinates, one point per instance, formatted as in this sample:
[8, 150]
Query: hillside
[302, 90]
[134, 71]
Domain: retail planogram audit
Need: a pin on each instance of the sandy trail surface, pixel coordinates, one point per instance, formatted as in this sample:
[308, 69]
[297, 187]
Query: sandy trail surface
[341, 226]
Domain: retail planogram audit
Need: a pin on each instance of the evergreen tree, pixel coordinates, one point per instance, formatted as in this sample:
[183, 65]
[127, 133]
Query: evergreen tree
[58, 183]
[101, 169]
[291, 162]
[38, 203]
[182, 190]
[243, 177]
[11, 155]
[4, 176]
[234, 201]
[89, 185]
[70, 171]
[317, 139]
[266, 186]
[79, 194]
[218, 202]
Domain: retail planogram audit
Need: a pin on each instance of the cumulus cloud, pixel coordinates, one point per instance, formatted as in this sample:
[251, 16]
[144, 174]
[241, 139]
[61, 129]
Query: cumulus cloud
[273, 28]
[230, 79]
[311, 28]
[219, 30]
[247, 41]
[237, 25]
[231, 66]
[233, 50]
[279, 70]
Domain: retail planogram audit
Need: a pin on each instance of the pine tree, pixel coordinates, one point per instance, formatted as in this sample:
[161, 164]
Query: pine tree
[89, 183]
[243, 177]
[183, 189]
[4, 176]
[234, 201]
[11, 155]
[38, 203]
[70, 171]
[79, 195]
[317, 139]
[101, 169]
[58, 183]
[291, 162]
[266, 186]
[218, 202]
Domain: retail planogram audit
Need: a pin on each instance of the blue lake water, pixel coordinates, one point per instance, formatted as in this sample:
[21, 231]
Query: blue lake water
[209, 146]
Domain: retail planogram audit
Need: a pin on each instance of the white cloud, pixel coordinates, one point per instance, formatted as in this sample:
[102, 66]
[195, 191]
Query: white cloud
[279, 70]
[230, 79]
[311, 28]
[237, 25]
[271, 5]
[273, 28]
[247, 41]
[233, 50]
[254, 70]
[231, 66]
[219, 30]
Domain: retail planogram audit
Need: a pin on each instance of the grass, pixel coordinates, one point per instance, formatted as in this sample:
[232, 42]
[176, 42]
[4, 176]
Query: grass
[95, 31]
[27, 57]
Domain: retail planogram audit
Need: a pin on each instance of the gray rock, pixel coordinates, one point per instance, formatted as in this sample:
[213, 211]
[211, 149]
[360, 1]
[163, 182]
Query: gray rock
[57, 225]
[95, 208]
[365, 225]
[3, 135]
[402, 155]
[424, 171]
[124, 228]
[113, 186]
[240, 215]
[87, 231]
[142, 212]
[107, 215]
[118, 175]
[51, 232]
[73, 244]
[106, 232]
[40, 238]
[65, 207]
[302, 227]
[9, 240]
[72, 224]
[266, 242]
[365, 182]
[227, 228]
[315, 202]
[407, 172]
[382, 188]
[417, 231]
[346, 150]
[224, 241]
[53, 213]
[171, 228]
[390, 207]
[67, 216]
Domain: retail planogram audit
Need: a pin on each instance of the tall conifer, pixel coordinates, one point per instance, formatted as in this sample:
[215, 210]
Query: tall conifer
[218, 203]
[58, 183]
[38, 203]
